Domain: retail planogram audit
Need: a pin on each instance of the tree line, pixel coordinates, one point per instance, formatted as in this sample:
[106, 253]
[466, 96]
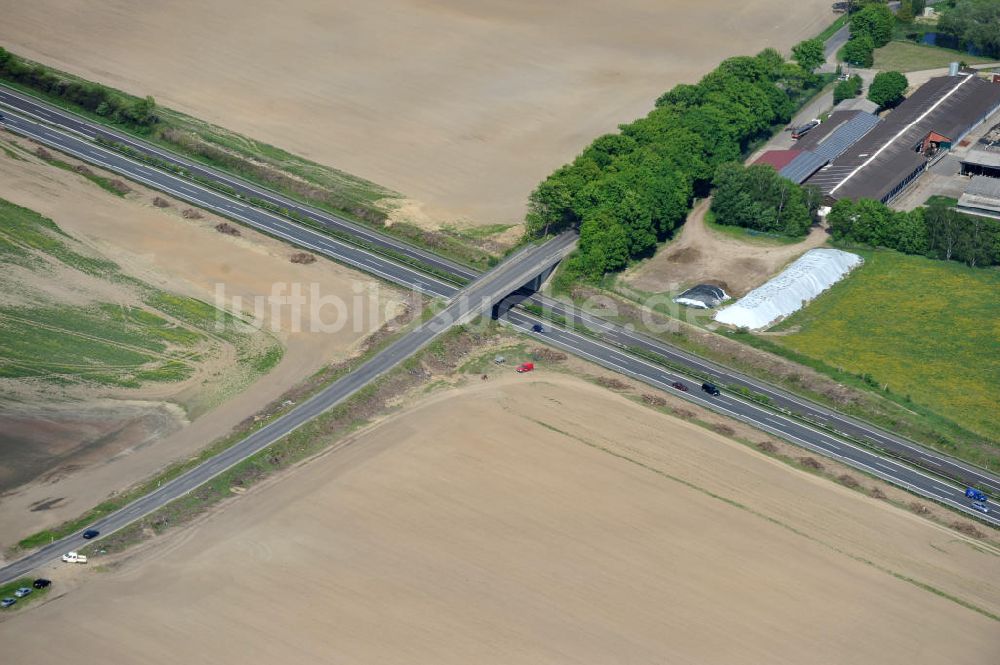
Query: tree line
[629, 190]
[972, 24]
[936, 231]
[138, 113]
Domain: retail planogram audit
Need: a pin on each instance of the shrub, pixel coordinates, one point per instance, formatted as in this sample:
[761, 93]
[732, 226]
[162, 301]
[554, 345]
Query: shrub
[304, 258]
[227, 229]
[191, 213]
[161, 202]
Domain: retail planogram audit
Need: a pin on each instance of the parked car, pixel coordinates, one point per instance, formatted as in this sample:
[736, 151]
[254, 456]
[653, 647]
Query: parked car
[91, 533]
[23, 591]
[73, 557]
[41, 583]
[711, 389]
[7, 602]
[537, 328]
[524, 367]
[980, 506]
[679, 386]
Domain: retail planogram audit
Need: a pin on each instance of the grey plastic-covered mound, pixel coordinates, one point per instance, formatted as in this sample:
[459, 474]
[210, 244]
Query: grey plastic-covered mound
[704, 296]
[807, 277]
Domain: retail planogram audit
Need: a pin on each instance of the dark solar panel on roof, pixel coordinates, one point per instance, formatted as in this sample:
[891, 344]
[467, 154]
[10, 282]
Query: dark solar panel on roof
[845, 135]
[803, 166]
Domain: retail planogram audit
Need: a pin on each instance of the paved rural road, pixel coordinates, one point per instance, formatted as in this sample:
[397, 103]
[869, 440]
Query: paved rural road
[375, 264]
[473, 301]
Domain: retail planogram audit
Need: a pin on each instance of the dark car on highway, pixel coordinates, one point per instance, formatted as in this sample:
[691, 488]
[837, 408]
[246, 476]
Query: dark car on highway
[679, 386]
[537, 328]
[711, 389]
[41, 583]
[91, 533]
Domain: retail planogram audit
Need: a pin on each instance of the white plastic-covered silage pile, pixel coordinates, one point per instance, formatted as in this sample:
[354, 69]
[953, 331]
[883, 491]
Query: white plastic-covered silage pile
[807, 277]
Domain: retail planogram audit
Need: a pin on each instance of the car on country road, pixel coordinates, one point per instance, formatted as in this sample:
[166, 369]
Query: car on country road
[91, 533]
[73, 557]
[41, 583]
[679, 386]
[711, 389]
[7, 602]
[23, 591]
[980, 506]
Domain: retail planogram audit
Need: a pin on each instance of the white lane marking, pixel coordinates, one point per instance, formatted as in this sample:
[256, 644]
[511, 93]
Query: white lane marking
[886, 467]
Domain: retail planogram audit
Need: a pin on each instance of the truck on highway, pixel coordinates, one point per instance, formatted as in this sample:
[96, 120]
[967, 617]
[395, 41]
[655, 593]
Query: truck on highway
[73, 557]
[524, 367]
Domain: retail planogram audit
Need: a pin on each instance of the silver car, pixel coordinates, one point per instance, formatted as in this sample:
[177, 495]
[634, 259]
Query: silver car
[22, 592]
[980, 506]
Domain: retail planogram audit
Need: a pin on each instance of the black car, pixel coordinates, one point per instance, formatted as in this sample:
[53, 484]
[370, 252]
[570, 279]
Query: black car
[41, 583]
[91, 533]
[711, 389]
[537, 328]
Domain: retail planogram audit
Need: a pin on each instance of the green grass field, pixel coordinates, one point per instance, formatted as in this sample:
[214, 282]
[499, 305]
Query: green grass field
[901, 56]
[162, 340]
[928, 329]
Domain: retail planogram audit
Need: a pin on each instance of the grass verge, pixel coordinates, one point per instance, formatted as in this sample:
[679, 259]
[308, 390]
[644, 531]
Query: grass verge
[761, 357]
[7, 591]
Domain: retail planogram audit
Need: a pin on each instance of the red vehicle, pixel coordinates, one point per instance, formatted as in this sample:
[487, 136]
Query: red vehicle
[524, 367]
[679, 386]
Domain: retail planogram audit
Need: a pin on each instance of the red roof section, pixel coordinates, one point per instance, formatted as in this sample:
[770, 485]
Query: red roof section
[779, 159]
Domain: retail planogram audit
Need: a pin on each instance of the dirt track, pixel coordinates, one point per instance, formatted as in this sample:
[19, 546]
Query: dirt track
[700, 254]
[535, 520]
[463, 106]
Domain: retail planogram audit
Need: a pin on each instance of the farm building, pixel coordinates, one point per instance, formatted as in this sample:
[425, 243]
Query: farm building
[982, 196]
[893, 153]
[821, 145]
[980, 161]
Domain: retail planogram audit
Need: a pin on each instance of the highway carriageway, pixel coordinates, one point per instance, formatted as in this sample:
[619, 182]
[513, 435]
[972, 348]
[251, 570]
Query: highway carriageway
[823, 417]
[616, 336]
[32, 107]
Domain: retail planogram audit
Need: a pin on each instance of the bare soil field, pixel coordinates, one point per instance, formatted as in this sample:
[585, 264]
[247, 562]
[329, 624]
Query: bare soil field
[700, 255]
[462, 106]
[535, 519]
[81, 443]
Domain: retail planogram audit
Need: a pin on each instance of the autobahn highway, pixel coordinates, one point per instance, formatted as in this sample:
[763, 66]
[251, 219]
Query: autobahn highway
[72, 142]
[484, 290]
